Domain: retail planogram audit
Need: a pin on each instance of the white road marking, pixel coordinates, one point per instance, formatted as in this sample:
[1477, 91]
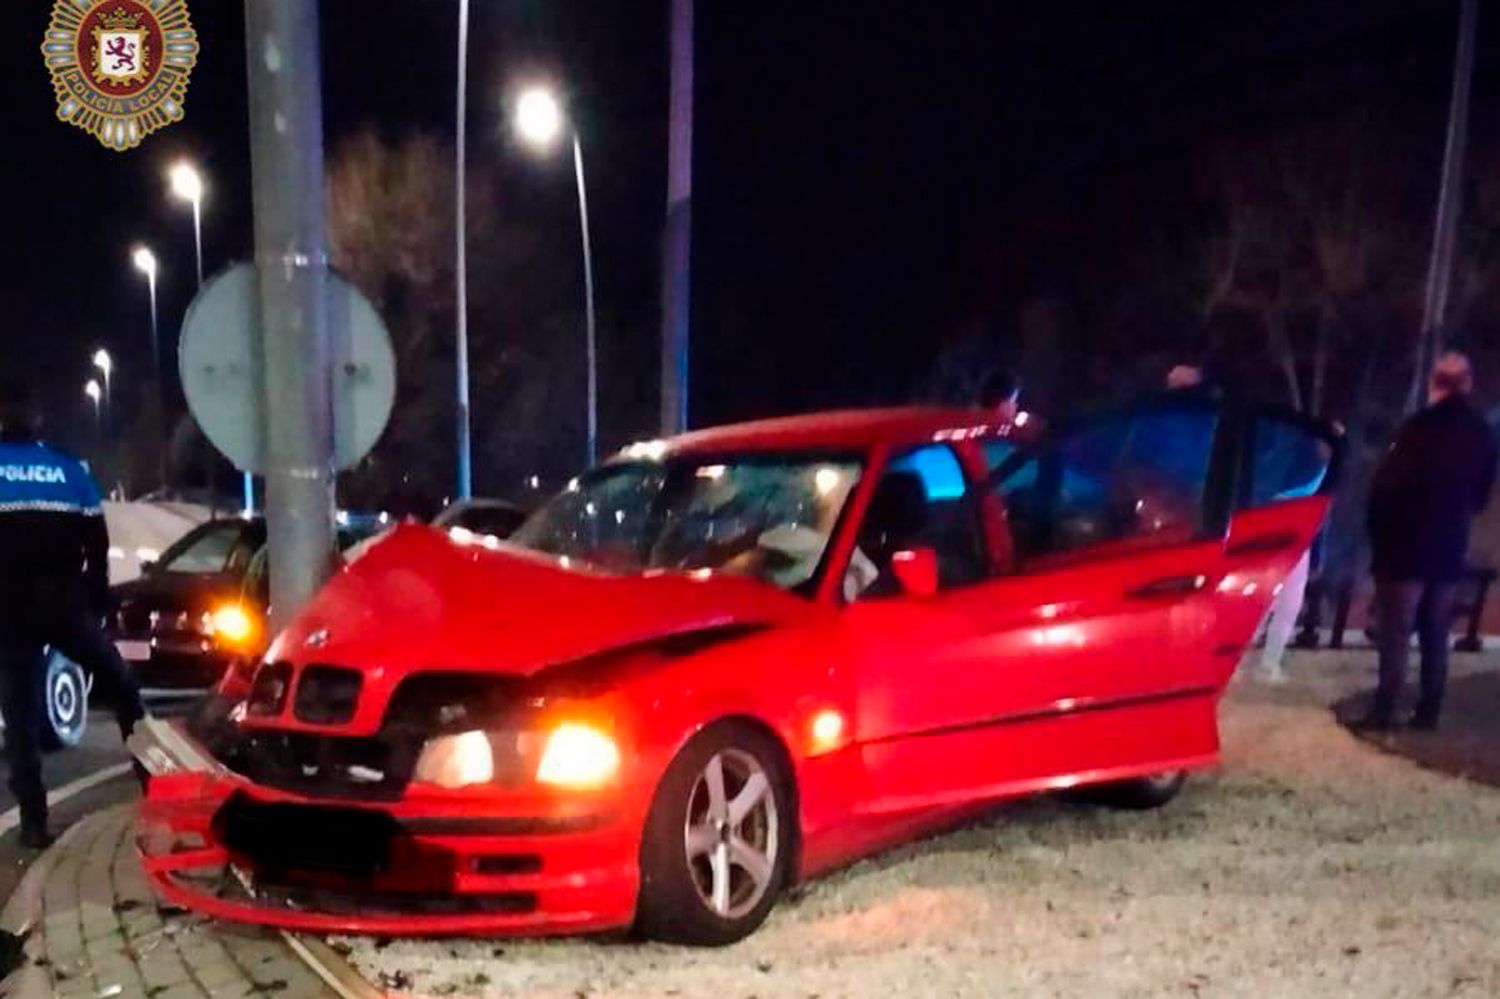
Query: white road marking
[11, 819]
[345, 981]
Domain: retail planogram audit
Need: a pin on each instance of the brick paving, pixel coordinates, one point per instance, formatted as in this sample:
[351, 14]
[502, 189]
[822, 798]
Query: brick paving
[98, 933]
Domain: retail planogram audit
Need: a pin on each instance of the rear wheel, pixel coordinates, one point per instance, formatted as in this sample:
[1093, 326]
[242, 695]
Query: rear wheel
[1142, 793]
[718, 839]
[65, 700]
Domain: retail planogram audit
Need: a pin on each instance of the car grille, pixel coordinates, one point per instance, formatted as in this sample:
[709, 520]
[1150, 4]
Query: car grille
[269, 689]
[361, 768]
[327, 695]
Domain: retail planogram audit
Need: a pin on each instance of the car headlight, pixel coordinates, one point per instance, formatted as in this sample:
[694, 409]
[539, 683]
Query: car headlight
[578, 756]
[568, 755]
[231, 624]
[454, 761]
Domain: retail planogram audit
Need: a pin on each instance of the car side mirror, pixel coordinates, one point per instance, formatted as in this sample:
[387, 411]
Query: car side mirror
[148, 566]
[916, 569]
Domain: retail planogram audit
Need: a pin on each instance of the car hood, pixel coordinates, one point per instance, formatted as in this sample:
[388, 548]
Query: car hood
[418, 600]
[174, 592]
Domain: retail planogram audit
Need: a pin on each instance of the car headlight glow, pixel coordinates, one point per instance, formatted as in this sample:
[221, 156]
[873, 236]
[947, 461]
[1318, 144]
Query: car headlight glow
[231, 623]
[578, 756]
[454, 761]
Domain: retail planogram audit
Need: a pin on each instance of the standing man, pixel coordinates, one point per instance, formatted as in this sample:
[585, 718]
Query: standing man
[1434, 479]
[1001, 395]
[54, 592]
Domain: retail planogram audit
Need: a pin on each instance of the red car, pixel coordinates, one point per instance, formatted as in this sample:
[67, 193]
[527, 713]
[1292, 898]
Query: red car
[721, 664]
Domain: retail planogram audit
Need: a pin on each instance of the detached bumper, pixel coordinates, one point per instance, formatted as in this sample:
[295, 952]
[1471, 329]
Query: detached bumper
[214, 843]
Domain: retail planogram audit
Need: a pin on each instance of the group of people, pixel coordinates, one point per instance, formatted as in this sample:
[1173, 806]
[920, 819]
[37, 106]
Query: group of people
[1435, 478]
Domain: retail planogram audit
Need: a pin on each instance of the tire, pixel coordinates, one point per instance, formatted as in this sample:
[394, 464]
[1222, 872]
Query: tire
[65, 703]
[709, 881]
[1141, 794]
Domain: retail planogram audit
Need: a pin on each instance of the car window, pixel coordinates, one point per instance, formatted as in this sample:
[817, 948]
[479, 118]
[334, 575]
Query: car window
[223, 546]
[1287, 461]
[768, 516]
[1136, 477]
[922, 501]
[602, 516]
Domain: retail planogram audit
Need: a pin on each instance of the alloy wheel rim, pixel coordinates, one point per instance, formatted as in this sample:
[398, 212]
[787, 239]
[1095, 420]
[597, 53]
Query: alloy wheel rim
[65, 700]
[732, 834]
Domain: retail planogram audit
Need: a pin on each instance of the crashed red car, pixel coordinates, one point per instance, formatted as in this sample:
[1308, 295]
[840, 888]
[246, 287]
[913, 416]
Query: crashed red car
[721, 664]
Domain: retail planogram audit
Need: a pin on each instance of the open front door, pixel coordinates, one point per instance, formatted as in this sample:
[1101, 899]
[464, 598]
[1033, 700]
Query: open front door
[1287, 469]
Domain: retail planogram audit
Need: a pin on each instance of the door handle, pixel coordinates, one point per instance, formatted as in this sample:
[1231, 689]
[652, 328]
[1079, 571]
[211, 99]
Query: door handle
[1263, 544]
[1167, 587]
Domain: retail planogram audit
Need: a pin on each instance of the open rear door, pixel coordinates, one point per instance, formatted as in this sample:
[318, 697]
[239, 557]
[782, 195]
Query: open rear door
[1288, 467]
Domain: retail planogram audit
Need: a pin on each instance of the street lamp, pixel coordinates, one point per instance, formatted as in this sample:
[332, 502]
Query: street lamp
[539, 121]
[145, 262]
[461, 282]
[95, 394]
[187, 185]
[106, 366]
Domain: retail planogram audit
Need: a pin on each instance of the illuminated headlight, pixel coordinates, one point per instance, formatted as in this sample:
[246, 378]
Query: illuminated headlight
[454, 761]
[232, 624]
[571, 755]
[578, 756]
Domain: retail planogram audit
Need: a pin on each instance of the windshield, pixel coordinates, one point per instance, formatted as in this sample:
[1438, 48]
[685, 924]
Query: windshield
[769, 517]
[223, 546]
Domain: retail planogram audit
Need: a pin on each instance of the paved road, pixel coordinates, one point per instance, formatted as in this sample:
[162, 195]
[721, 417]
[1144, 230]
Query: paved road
[100, 750]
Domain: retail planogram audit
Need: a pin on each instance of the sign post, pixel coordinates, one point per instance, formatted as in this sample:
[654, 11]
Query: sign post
[291, 251]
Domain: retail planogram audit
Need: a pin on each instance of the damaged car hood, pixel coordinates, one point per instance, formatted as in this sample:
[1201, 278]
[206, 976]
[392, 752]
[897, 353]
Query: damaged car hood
[419, 600]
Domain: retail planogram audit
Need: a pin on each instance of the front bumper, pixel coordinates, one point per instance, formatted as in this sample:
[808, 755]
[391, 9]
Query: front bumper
[217, 844]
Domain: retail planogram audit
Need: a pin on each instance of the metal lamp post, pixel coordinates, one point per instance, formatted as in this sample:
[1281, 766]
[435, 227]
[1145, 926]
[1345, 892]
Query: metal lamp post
[539, 121]
[106, 366]
[96, 394]
[461, 276]
[187, 185]
[145, 262]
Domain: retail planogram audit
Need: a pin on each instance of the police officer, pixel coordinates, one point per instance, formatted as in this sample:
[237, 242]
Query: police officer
[54, 592]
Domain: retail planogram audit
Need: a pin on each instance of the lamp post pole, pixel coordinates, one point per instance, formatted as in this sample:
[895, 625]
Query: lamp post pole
[676, 273]
[590, 322]
[539, 120]
[461, 276]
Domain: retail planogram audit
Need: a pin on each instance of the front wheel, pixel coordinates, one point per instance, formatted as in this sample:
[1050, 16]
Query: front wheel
[65, 702]
[1142, 793]
[717, 842]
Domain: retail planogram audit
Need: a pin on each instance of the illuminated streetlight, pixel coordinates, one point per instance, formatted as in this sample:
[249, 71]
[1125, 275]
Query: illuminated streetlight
[187, 185]
[539, 117]
[95, 394]
[145, 262]
[539, 121]
[106, 366]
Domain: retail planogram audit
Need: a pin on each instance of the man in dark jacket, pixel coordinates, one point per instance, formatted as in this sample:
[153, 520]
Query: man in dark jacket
[1435, 478]
[54, 591]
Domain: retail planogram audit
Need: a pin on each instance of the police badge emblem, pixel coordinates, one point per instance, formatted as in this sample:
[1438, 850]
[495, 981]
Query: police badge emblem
[120, 67]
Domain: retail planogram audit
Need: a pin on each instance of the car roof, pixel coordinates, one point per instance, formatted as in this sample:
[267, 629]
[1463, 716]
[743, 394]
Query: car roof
[836, 430]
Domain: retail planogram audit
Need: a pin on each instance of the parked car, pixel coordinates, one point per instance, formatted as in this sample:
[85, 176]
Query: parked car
[722, 664]
[202, 605]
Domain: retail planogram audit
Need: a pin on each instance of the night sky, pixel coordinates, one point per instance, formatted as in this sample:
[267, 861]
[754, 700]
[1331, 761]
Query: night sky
[854, 160]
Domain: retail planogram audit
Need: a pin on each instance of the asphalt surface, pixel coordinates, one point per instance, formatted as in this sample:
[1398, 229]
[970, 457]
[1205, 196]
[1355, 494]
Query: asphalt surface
[100, 749]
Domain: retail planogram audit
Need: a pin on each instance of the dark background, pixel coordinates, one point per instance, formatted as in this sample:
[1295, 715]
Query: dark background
[873, 181]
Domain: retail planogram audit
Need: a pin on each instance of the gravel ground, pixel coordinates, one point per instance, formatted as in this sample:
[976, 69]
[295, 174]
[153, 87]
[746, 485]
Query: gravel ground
[1309, 865]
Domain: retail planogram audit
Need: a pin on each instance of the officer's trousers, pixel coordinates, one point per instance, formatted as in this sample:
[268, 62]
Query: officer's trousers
[23, 668]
